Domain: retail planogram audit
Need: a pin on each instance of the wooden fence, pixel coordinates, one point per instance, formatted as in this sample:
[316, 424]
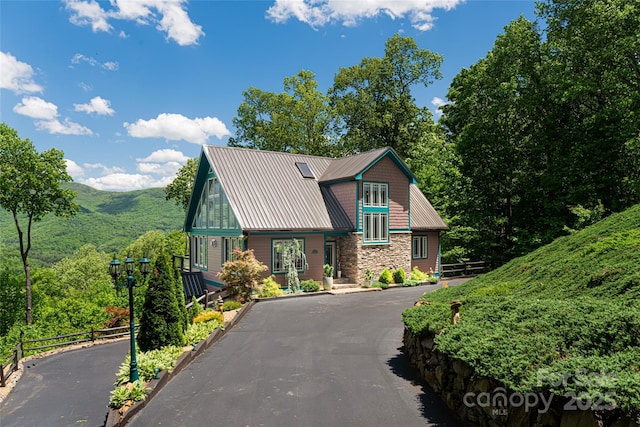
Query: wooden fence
[27, 347]
[463, 269]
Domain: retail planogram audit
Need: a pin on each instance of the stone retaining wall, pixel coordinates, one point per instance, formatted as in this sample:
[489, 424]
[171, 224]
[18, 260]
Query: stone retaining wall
[484, 401]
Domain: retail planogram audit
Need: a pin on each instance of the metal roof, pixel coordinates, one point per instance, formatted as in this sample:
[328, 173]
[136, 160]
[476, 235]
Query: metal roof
[423, 215]
[267, 191]
[349, 167]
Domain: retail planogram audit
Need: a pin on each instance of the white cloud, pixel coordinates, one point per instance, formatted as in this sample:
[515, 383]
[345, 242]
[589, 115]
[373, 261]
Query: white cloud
[317, 13]
[127, 182]
[74, 170]
[106, 170]
[438, 103]
[169, 168]
[37, 108]
[176, 127]
[17, 76]
[88, 13]
[66, 128]
[165, 155]
[109, 65]
[169, 16]
[85, 87]
[97, 105]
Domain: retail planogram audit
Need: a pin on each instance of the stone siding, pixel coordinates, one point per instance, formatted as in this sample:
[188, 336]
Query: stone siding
[356, 258]
[486, 402]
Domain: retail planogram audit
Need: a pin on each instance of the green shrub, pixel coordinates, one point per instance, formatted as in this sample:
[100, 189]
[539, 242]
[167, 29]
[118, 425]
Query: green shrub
[385, 277]
[201, 331]
[310, 286]
[231, 305]
[381, 285]
[418, 275]
[161, 322]
[162, 360]
[242, 275]
[195, 309]
[270, 288]
[121, 394]
[399, 276]
[209, 315]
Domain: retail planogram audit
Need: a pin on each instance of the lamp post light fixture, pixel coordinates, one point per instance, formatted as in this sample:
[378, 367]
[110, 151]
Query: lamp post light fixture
[115, 270]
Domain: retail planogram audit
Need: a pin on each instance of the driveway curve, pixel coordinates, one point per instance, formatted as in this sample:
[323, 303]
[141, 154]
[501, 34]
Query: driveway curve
[319, 361]
[70, 388]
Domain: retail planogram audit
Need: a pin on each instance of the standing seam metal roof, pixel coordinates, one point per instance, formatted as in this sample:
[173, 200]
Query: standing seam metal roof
[267, 192]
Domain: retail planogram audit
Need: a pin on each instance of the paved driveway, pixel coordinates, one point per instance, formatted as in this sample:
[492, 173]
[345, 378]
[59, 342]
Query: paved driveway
[66, 389]
[318, 361]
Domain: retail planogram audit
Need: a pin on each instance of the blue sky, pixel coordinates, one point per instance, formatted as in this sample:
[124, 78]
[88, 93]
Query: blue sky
[130, 90]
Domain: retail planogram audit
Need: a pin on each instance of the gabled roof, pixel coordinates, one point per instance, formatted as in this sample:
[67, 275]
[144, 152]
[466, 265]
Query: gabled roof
[352, 167]
[268, 191]
[423, 216]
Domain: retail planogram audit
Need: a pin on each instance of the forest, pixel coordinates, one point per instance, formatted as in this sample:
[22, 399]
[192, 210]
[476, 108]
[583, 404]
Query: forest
[539, 139]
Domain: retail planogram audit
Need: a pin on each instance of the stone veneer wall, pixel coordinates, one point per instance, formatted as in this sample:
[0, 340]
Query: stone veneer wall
[356, 258]
[498, 406]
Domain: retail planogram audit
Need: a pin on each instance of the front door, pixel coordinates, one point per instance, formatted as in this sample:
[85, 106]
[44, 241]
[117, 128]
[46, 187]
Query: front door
[330, 256]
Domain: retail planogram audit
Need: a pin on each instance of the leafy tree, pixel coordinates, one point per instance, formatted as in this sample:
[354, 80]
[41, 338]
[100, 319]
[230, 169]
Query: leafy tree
[490, 122]
[595, 69]
[11, 295]
[242, 275]
[297, 120]
[30, 188]
[161, 323]
[373, 100]
[179, 190]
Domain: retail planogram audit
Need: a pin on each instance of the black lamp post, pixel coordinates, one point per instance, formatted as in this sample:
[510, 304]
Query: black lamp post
[115, 269]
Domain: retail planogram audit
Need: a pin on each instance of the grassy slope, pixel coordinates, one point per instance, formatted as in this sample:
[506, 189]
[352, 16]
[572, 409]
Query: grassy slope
[570, 307]
[109, 220]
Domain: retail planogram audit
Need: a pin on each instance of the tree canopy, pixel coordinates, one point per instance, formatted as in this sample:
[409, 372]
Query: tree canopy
[31, 186]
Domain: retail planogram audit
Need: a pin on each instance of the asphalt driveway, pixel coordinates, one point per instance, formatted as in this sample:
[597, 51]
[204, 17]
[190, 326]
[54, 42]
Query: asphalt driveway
[66, 389]
[319, 361]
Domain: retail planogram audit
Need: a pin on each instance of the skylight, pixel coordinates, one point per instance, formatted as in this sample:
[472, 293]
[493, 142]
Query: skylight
[304, 170]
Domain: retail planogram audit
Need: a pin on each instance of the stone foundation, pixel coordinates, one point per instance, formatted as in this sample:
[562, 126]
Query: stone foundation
[486, 402]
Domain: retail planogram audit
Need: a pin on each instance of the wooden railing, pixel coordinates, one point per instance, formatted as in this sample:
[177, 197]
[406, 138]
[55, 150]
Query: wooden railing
[463, 269]
[23, 348]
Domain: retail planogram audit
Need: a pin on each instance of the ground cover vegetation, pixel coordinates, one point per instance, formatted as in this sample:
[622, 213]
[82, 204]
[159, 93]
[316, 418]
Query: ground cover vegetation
[567, 310]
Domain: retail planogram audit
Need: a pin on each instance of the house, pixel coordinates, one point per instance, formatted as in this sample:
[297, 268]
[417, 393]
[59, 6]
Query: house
[356, 213]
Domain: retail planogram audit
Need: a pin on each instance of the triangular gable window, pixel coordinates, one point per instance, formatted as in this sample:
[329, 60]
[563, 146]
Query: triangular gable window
[214, 210]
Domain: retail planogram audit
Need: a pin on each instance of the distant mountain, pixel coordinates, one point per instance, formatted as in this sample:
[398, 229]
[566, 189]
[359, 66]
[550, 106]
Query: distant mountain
[109, 220]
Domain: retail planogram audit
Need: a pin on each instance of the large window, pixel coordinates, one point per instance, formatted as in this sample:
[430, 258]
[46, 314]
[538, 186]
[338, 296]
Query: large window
[376, 227]
[199, 251]
[375, 202]
[277, 258]
[229, 244]
[214, 210]
[420, 247]
[375, 194]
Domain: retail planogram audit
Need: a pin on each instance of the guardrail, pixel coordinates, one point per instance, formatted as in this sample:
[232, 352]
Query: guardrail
[22, 348]
[463, 269]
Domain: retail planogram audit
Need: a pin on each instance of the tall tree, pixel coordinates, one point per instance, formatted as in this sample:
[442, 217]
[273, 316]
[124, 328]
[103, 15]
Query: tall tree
[373, 100]
[179, 190]
[297, 120]
[595, 67]
[492, 124]
[30, 188]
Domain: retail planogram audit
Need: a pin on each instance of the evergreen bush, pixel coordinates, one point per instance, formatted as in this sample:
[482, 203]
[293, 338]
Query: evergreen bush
[162, 319]
[385, 277]
[399, 276]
